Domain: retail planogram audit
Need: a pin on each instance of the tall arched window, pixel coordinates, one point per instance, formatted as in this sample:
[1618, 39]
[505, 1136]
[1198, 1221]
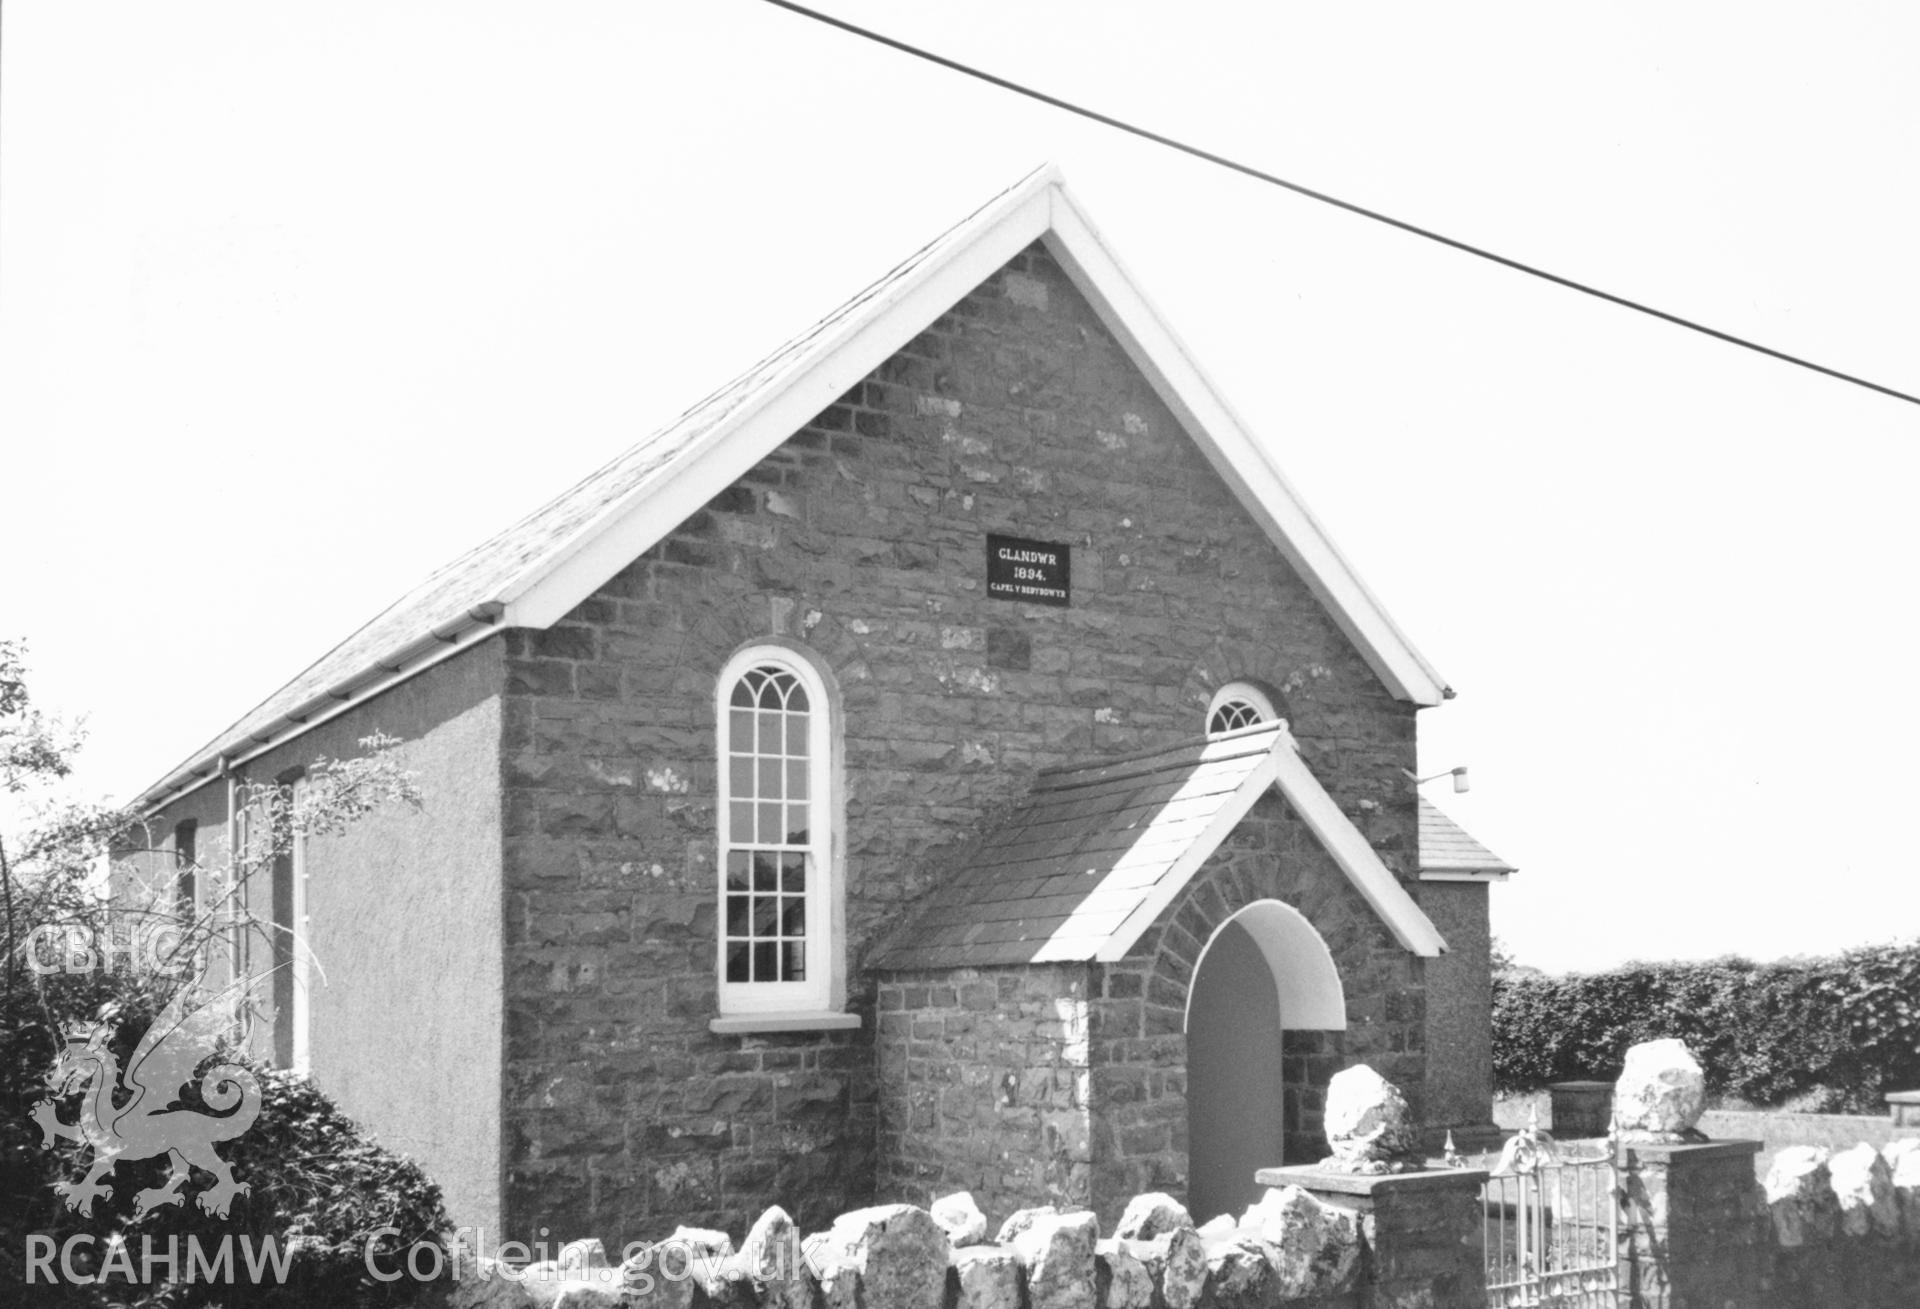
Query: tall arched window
[1237, 705]
[775, 835]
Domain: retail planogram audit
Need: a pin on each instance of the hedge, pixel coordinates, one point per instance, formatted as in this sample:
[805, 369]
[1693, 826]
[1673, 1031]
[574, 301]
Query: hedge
[1832, 1034]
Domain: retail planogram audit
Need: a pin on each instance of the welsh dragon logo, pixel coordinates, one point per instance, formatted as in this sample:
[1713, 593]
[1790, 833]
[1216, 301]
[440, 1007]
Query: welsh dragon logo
[151, 1122]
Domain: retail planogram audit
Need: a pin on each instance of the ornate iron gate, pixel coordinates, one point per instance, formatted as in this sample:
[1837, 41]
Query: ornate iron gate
[1552, 1226]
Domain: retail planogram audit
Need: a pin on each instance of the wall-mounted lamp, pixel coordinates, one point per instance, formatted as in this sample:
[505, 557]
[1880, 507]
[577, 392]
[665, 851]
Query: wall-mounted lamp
[1459, 776]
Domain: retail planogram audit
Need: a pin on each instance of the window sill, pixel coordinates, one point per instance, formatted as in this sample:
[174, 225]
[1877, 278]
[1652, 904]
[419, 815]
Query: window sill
[742, 1024]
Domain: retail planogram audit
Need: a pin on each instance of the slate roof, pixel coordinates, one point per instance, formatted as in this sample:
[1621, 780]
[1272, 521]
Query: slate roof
[1084, 852]
[474, 587]
[541, 567]
[1445, 846]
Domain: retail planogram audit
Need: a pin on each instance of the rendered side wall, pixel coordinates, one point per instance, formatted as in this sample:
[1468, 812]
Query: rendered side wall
[405, 925]
[863, 540]
[1459, 1090]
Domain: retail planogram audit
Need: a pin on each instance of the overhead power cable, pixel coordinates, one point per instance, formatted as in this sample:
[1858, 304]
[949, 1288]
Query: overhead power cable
[1426, 233]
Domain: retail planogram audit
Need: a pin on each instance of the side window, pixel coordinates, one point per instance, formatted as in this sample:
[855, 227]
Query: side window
[1237, 705]
[291, 948]
[776, 841]
[186, 835]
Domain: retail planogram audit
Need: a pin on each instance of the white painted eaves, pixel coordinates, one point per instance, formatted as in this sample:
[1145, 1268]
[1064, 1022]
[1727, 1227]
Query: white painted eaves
[1284, 769]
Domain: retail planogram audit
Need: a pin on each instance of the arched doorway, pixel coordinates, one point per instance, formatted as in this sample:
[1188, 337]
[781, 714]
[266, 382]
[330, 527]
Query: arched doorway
[1264, 971]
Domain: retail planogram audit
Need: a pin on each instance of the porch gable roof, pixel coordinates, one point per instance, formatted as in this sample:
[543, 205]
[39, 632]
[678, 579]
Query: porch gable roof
[1093, 855]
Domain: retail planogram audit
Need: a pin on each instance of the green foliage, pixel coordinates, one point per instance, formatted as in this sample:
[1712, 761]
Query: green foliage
[319, 1185]
[1833, 1033]
[320, 1188]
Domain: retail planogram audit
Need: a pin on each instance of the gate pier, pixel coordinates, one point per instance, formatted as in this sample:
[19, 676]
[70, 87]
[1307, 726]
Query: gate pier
[1422, 1231]
[1691, 1216]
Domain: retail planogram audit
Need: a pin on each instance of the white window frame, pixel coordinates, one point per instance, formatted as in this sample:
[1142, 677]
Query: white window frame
[1246, 692]
[814, 995]
[301, 956]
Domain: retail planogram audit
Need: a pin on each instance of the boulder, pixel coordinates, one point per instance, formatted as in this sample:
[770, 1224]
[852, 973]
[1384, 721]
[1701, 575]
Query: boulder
[767, 1272]
[1368, 1124]
[648, 1288]
[576, 1279]
[573, 1285]
[1240, 1273]
[541, 1280]
[701, 1242]
[1800, 1196]
[1903, 1172]
[1056, 1250]
[578, 1257]
[1120, 1281]
[1660, 1094]
[698, 1256]
[986, 1277]
[960, 1218]
[1020, 1220]
[1863, 1186]
[892, 1254]
[1220, 1227]
[1176, 1264]
[481, 1283]
[730, 1289]
[594, 1290]
[1153, 1214]
[771, 1248]
[1314, 1247]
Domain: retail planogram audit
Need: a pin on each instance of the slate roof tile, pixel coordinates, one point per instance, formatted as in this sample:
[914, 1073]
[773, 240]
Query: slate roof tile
[1446, 847]
[1080, 855]
[473, 585]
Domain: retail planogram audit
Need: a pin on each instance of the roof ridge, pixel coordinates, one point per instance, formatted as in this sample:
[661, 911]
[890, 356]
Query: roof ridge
[539, 567]
[629, 462]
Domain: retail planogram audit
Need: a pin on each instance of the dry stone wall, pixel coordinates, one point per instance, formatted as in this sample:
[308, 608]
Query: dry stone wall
[1843, 1227]
[1290, 1249]
[1369, 1228]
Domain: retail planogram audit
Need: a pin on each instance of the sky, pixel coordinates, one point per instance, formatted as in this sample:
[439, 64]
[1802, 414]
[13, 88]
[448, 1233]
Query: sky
[299, 301]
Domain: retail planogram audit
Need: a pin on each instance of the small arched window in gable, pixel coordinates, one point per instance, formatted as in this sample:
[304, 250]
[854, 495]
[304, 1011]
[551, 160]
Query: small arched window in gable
[1237, 705]
[775, 844]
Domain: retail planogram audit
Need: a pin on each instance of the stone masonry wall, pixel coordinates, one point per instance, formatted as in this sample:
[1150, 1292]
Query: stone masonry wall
[1825, 1229]
[1695, 1230]
[983, 1085]
[1069, 1082]
[1140, 1074]
[863, 539]
[1308, 1062]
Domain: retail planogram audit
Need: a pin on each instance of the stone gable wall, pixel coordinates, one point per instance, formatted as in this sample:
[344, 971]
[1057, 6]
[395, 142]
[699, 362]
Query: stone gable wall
[863, 539]
[1140, 1020]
